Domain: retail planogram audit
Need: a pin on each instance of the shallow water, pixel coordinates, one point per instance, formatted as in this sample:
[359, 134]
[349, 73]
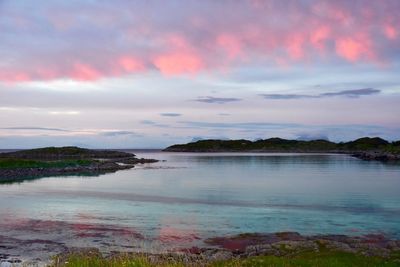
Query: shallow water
[192, 196]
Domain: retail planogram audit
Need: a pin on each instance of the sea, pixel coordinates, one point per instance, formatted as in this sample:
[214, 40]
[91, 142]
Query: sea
[186, 198]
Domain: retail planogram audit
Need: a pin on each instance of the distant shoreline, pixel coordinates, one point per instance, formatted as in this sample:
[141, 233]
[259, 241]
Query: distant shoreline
[363, 148]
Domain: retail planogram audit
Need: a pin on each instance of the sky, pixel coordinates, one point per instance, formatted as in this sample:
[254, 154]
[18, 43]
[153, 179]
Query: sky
[148, 74]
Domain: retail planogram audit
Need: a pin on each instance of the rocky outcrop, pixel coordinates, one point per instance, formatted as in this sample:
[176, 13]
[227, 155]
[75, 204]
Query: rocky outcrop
[377, 155]
[291, 243]
[62, 161]
[243, 246]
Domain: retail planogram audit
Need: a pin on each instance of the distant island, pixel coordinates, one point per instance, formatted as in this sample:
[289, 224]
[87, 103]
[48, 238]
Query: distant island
[365, 148]
[54, 161]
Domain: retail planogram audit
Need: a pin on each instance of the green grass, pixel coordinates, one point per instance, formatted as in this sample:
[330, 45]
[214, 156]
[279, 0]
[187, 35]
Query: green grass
[312, 259]
[306, 259]
[94, 260]
[24, 163]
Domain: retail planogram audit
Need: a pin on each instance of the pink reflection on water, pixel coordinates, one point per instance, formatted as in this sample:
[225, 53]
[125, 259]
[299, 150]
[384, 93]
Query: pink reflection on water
[178, 230]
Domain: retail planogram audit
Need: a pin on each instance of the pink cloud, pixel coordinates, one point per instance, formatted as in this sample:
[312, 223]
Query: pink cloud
[354, 49]
[85, 72]
[182, 57]
[295, 46]
[230, 44]
[15, 77]
[131, 64]
[177, 63]
[390, 32]
[104, 43]
[46, 73]
[319, 36]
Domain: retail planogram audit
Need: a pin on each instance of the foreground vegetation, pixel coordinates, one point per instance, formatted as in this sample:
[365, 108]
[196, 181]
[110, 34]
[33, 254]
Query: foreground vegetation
[305, 259]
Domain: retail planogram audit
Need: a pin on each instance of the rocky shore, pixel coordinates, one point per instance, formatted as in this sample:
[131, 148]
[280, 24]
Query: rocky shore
[226, 248]
[287, 243]
[28, 242]
[247, 246]
[52, 161]
[378, 155]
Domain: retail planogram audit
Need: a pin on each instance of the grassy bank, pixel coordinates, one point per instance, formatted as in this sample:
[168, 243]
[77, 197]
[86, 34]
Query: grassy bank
[25, 163]
[306, 259]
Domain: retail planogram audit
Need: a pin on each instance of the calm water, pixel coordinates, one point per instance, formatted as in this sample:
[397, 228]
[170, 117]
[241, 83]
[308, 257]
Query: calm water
[195, 196]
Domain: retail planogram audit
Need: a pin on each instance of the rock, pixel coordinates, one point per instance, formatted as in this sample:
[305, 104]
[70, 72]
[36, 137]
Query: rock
[287, 247]
[6, 264]
[377, 252]
[209, 252]
[9, 262]
[335, 245]
[222, 255]
[293, 236]
[377, 155]
[392, 245]
[256, 250]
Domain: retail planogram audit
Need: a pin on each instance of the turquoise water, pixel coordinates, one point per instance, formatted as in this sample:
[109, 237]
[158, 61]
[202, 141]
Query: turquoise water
[194, 196]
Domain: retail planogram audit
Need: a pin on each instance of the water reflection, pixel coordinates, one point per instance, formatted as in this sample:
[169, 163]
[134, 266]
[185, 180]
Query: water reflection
[193, 196]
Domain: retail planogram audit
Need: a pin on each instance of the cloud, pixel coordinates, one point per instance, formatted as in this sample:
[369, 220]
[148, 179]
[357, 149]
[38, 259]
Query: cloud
[153, 123]
[353, 93]
[171, 114]
[86, 40]
[216, 100]
[100, 132]
[239, 125]
[147, 122]
[71, 113]
[34, 129]
[347, 93]
[286, 96]
[257, 129]
[120, 133]
[199, 138]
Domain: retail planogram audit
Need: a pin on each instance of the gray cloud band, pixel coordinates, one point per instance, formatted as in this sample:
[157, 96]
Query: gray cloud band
[347, 93]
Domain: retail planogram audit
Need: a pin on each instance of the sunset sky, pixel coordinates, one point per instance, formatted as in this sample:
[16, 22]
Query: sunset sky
[147, 74]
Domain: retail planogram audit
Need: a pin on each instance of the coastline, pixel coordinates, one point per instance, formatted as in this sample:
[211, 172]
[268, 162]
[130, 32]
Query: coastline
[364, 155]
[93, 169]
[365, 148]
[64, 161]
[246, 246]
[257, 250]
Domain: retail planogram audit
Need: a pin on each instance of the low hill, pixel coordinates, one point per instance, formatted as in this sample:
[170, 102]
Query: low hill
[54, 161]
[68, 152]
[372, 147]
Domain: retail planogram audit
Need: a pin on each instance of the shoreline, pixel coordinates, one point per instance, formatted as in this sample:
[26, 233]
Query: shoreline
[64, 161]
[94, 169]
[364, 155]
[220, 248]
[365, 148]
